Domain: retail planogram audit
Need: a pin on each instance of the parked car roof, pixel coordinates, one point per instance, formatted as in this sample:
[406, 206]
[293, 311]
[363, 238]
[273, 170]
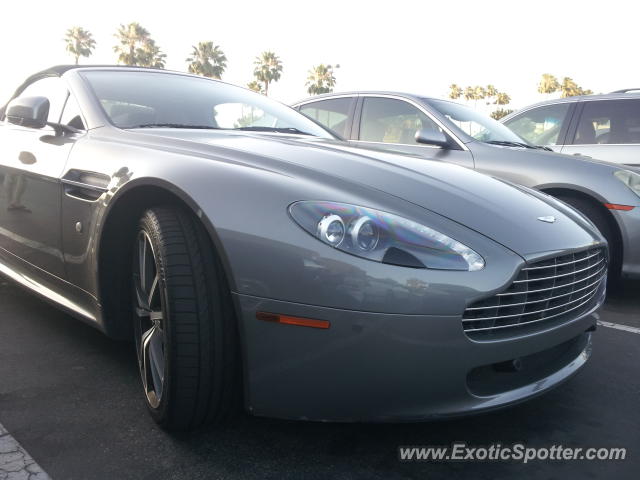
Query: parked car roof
[618, 95]
[362, 92]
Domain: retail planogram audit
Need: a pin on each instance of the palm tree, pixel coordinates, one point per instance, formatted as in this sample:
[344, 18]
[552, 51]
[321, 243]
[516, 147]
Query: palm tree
[569, 88]
[137, 48]
[321, 79]
[479, 93]
[491, 92]
[151, 55]
[469, 93]
[207, 60]
[80, 42]
[548, 84]
[502, 99]
[455, 92]
[268, 69]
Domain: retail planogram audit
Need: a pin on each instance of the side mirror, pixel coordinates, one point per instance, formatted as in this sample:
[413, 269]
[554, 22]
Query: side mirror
[432, 137]
[29, 112]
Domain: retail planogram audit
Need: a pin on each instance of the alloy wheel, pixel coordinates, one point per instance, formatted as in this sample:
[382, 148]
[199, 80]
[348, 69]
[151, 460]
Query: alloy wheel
[149, 322]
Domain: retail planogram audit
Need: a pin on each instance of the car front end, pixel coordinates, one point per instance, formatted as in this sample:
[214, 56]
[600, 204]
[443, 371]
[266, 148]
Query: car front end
[332, 335]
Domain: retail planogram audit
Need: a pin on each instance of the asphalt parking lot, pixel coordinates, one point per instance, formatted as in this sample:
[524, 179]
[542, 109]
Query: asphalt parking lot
[71, 397]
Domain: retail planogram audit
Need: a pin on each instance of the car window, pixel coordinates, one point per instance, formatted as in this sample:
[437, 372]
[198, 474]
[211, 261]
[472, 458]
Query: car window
[71, 114]
[135, 99]
[332, 113]
[541, 125]
[387, 120]
[54, 89]
[609, 122]
[473, 123]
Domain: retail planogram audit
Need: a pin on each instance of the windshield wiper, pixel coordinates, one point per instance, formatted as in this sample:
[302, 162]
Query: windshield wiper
[506, 143]
[273, 129]
[174, 125]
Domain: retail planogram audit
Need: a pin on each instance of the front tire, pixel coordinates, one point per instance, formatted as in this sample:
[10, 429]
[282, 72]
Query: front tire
[184, 327]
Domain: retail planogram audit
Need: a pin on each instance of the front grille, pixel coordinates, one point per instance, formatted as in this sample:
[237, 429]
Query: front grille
[545, 293]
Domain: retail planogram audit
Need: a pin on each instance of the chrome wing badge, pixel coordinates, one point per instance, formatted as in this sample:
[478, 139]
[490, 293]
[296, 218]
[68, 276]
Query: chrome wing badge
[548, 219]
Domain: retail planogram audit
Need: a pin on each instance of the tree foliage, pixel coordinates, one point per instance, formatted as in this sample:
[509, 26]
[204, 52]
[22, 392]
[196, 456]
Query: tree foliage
[455, 92]
[502, 99]
[207, 60]
[137, 48]
[80, 42]
[489, 93]
[268, 69]
[321, 79]
[499, 113]
[567, 88]
[469, 93]
[256, 86]
[548, 84]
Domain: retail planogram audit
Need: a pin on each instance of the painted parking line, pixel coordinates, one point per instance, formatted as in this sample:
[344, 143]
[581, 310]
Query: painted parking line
[15, 462]
[617, 326]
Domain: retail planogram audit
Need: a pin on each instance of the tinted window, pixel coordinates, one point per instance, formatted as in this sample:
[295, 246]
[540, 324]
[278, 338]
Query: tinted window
[542, 125]
[388, 120]
[609, 122]
[54, 89]
[71, 114]
[132, 99]
[332, 113]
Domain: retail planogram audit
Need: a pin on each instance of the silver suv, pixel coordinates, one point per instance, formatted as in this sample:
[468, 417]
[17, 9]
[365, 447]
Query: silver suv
[606, 127]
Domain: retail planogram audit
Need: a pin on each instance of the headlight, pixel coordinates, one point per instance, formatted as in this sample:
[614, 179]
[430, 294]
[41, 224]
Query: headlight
[630, 179]
[383, 237]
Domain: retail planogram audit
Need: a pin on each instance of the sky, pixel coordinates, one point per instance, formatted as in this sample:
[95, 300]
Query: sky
[412, 46]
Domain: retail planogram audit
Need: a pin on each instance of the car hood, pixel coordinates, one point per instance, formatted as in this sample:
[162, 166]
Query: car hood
[505, 214]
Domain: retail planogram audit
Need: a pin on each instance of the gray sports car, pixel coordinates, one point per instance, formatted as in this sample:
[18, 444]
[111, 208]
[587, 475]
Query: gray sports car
[256, 260]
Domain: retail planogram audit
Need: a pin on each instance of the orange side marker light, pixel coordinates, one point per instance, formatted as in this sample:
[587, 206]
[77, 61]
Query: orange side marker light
[614, 206]
[289, 320]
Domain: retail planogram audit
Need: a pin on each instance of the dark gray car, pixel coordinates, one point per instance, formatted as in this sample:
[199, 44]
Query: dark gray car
[258, 261]
[608, 194]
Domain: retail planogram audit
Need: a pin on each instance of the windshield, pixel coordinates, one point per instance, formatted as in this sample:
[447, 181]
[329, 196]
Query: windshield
[133, 99]
[475, 124]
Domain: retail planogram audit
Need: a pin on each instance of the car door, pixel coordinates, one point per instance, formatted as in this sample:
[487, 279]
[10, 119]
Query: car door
[334, 113]
[391, 123]
[607, 130]
[31, 164]
[545, 125]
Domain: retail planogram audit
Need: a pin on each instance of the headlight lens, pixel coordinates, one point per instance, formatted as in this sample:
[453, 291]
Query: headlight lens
[383, 237]
[630, 179]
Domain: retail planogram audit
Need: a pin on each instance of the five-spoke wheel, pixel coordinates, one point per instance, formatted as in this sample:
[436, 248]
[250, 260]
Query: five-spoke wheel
[148, 323]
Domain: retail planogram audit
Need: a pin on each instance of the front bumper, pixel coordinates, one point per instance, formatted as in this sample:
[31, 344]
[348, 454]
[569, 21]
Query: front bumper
[387, 367]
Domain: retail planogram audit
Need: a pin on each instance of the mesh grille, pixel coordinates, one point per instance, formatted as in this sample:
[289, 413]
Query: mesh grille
[548, 292]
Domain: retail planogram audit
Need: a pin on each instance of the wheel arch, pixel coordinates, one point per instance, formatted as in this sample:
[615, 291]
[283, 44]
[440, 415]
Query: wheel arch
[119, 219]
[598, 202]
